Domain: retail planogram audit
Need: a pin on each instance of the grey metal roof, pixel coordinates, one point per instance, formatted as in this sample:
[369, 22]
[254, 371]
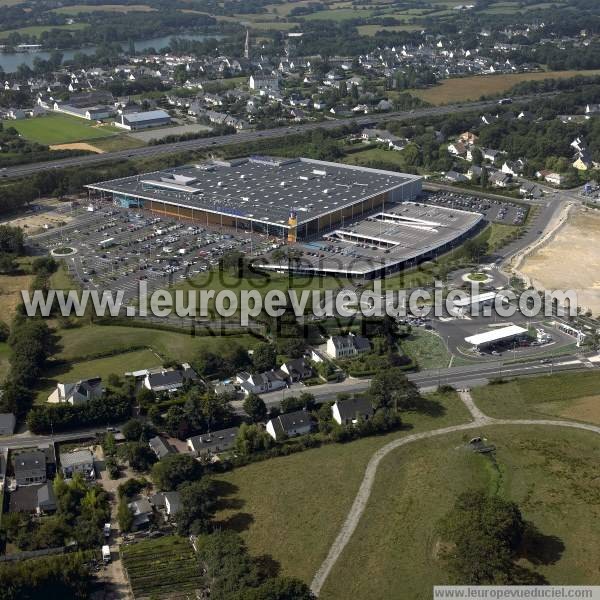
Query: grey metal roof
[262, 188]
[79, 457]
[141, 117]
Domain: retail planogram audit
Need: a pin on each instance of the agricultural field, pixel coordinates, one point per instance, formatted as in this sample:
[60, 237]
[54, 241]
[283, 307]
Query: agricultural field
[273, 505]
[163, 568]
[10, 293]
[60, 129]
[551, 473]
[371, 30]
[566, 395]
[113, 8]
[4, 358]
[461, 89]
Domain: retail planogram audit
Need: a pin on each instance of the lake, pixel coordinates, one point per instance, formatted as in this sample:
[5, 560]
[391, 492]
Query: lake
[10, 62]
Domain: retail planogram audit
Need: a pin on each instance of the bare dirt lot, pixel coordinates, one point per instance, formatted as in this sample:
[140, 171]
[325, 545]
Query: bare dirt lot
[77, 146]
[34, 221]
[571, 260]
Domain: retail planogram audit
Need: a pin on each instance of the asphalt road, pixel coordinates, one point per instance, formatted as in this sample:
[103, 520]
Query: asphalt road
[466, 376]
[243, 136]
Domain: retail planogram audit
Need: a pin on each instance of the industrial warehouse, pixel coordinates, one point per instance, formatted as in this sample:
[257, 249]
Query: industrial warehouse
[341, 219]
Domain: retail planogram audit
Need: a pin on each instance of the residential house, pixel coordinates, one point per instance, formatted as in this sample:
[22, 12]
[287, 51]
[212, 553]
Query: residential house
[263, 83]
[30, 467]
[77, 393]
[500, 179]
[491, 155]
[474, 173]
[260, 383]
[350, 411]
[550, 177]
[213, 442]
[457, 149]
[289, 425]
[16, 114]
[169, 380]
[513, 167]
[161, 447]
[80, 461]
[468, 138]
[141, 509]
[592, 109]
[172, 503]
[297, 369]
[530, 190]
[344, 346]
[454, 177]
[8, 422]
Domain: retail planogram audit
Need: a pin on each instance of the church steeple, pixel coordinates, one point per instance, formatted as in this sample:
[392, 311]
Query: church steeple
[247, 45]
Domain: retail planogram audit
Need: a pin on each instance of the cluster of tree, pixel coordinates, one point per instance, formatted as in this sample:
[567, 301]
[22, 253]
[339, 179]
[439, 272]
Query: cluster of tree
[235, 575]
[114, 406]
[82, 509]
[184, 137]
[224, 363]
[194, 413]
[482, 537]
[31, 343]
[49, 578]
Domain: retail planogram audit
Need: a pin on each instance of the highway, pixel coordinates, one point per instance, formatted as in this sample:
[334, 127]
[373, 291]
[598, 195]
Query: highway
[242, 137]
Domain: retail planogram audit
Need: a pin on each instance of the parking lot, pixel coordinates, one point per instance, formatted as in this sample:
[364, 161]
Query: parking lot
[116, 248]
[495, 211]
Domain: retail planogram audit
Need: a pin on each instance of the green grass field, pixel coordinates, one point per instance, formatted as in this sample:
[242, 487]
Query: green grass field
[37, 30]
[565, 395]
[426, 349]
[99, 367]
[60, 129]
[91, 340]
[292, 507]
[550, 472]
[162, 568]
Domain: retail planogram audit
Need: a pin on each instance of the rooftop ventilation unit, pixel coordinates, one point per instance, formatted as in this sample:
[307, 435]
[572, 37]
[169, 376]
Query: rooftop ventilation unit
[319, 172]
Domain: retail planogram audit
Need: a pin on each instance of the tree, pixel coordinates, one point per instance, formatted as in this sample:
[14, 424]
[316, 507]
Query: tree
[477, 156]
[255, 407]
[4, 331]
[392, 389]
[124, 515]
[139, 455]
[264, 357]
[252, 438]
[484, 178]
[8, 264]
[482, 535]
[175, 469]
[278, 588]
[132, 430]
[198, 505]
[475, 249]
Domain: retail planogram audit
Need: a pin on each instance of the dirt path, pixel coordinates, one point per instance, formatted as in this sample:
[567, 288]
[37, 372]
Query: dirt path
[364, 491]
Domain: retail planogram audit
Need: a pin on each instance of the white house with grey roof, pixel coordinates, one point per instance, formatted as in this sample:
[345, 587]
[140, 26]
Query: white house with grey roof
[352, 410]
[77, 393]
[345, 346]
[289, 425]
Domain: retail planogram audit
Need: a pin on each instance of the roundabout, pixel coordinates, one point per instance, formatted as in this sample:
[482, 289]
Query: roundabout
[63, 252]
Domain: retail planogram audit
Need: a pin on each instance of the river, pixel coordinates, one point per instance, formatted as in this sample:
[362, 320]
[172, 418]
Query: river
[10, 62]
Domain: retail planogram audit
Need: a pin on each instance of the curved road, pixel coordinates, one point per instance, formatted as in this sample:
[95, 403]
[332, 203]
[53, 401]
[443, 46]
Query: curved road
[364, 491]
